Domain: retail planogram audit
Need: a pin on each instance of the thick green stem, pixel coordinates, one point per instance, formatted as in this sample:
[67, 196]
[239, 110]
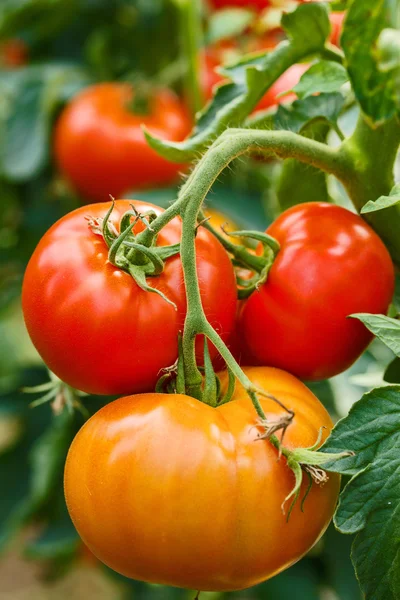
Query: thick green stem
[371, 154]
[191, 41]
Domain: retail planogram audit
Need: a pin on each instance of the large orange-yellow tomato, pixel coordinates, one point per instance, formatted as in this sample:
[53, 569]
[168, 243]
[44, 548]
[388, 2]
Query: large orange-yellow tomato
[165, 489]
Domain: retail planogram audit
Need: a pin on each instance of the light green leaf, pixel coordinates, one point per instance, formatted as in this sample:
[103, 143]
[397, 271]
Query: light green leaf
[370, 502]
[384, 328]
[307, 27]
[228, 24]
[325, 76]
[383, 201]
[388, 50]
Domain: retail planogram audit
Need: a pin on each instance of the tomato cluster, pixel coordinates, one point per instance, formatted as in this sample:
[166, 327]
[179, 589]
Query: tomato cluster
[145, 473]
[91, 322]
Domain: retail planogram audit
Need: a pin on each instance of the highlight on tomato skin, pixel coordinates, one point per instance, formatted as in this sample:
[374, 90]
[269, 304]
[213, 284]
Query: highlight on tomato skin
[92, 324]
[152, 468]
[331, 264]
[100, 147]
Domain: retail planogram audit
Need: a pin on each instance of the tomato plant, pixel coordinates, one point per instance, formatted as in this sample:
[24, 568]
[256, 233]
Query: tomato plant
[170, 461]
[331, 265]
[99, 137]
[81, 310]
[188, 480]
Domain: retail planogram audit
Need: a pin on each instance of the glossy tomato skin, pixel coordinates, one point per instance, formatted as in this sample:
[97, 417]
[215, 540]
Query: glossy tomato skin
[165, 489]
[331, 265]
[91, 323]
[100, 147]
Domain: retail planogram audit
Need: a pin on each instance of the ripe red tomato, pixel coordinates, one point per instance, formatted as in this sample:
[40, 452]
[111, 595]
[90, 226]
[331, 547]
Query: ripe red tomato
[166, 489]
[256, 4]
[100, 146]
[331, 264]
[92, 324]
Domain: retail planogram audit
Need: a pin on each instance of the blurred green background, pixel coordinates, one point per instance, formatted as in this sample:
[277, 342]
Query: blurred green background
[49, 50]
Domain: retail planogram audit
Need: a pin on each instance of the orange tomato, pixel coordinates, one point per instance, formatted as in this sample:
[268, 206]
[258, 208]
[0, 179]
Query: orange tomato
[165, 489]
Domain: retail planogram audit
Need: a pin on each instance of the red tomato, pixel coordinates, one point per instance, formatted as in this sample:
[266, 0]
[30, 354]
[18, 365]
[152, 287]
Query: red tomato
[331, 264]
[256, 4]
[286, 82]
[13, 53]
[100, 146]
[92, 324]
[166, 489]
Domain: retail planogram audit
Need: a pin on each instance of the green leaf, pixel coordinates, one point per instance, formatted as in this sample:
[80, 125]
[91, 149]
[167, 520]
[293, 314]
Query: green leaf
[48, 457]
[303, 113]
[32, 95]
[228, 24]
[392, 373]
[14, 464]
[383, 201]
[325, 76]
[43, 18]
[384, 328]
[375, 90]
[307, 27]
[59, 538]
[369, 504]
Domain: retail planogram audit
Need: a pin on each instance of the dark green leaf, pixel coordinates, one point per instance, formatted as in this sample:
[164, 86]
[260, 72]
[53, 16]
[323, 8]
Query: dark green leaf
[228, 24]
[32, 96]
[301, 113]
[392, 373]
[307, 27]
[59, 538]
[385, 328]
[375, 90]
[370, 502]
[325, 76]
[383, 201]
[42, 17]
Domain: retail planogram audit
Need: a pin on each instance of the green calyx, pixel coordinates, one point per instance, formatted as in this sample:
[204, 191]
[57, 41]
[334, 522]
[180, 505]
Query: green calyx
[60, 396]
[243, 258]
[139, 260]
[306, 461]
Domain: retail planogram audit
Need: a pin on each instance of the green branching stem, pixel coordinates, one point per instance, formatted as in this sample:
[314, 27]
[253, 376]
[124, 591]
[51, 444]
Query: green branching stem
[371, 154]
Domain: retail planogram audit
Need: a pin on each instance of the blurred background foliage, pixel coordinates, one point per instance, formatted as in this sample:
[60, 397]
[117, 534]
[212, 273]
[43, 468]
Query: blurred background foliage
[49, 50]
